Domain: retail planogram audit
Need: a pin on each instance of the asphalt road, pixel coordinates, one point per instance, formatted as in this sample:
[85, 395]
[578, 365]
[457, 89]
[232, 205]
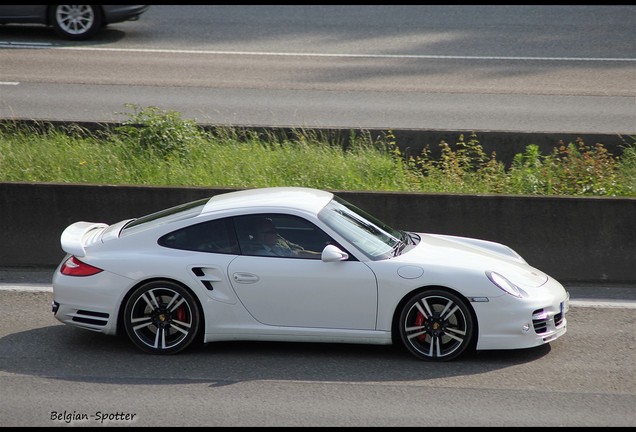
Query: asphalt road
[555, 69]
[55, 375]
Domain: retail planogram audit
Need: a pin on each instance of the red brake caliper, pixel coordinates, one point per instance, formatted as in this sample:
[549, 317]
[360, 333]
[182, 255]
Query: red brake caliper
[419, 320]
[180, 314]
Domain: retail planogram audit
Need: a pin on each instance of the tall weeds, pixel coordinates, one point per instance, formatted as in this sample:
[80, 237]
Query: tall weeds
[156, 147]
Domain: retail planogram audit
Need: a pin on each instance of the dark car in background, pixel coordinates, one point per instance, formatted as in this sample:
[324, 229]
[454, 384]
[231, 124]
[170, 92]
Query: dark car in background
[75, 22]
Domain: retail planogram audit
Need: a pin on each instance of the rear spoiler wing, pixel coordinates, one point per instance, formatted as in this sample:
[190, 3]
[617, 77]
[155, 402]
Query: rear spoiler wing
[77, 236]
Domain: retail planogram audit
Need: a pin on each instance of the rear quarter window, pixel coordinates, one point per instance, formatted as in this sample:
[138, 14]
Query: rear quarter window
[215, 236]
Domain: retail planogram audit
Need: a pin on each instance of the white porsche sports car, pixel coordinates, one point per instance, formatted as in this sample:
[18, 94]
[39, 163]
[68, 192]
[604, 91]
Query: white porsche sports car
[299, 264]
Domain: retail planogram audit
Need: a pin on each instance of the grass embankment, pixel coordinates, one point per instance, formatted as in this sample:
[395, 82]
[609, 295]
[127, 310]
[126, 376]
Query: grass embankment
[155, 147]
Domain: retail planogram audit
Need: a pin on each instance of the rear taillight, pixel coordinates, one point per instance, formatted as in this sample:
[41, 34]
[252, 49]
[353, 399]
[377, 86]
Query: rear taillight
[75, 267]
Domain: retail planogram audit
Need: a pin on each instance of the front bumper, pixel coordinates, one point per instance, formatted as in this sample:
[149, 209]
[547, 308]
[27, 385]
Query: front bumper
[507, 322]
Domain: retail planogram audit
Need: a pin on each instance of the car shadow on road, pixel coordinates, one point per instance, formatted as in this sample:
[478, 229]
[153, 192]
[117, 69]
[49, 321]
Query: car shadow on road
[37, 35]
[65, 353]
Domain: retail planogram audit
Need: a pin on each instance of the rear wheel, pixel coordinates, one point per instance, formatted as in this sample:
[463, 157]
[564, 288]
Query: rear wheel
[76, 22]
[436, 325]
[162, 317]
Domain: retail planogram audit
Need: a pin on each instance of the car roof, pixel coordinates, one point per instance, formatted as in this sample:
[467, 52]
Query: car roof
[300, 198]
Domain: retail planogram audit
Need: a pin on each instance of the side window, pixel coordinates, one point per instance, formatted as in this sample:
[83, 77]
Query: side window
[280, 235]
[215, 236]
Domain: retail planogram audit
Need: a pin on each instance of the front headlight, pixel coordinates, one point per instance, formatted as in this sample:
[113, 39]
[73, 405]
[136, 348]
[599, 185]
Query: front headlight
[503, 283]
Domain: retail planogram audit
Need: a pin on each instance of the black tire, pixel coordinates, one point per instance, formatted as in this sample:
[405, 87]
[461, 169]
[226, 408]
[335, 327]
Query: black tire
[162, 317]
[436, 325]
[76, 22]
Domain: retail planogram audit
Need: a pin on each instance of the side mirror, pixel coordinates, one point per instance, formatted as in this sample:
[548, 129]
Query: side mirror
[332, 253]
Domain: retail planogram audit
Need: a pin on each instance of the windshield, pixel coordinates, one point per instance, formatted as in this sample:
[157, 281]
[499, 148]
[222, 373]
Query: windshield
[373, 237]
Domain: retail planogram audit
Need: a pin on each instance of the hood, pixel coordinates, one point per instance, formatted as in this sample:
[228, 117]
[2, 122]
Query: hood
[479, 255]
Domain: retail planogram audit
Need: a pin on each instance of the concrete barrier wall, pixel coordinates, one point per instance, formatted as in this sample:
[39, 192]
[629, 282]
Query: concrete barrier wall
[572, 239]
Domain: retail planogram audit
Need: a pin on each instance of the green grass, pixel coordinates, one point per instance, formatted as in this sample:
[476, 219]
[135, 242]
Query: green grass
[156, 147]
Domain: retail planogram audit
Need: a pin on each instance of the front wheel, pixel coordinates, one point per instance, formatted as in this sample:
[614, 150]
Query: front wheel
[76, 22]
[436, 325]
[162, 317]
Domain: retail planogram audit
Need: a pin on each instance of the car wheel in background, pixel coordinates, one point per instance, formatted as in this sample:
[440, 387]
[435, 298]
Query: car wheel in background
[76, 22]
[436, 325]
[162, 317]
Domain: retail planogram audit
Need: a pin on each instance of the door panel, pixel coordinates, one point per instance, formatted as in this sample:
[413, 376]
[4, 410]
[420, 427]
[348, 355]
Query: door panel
[306, 293]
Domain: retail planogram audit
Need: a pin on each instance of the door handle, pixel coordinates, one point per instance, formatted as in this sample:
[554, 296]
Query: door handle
[246, 278]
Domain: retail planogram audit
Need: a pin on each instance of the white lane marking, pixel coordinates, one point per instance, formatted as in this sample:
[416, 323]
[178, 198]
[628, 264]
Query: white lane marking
[605, 303]
[26, 287]
[4, 44]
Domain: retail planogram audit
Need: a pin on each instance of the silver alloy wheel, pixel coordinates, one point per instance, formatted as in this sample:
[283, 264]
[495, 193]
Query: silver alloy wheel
[161, 317]
[76, 21]
[436, 325]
